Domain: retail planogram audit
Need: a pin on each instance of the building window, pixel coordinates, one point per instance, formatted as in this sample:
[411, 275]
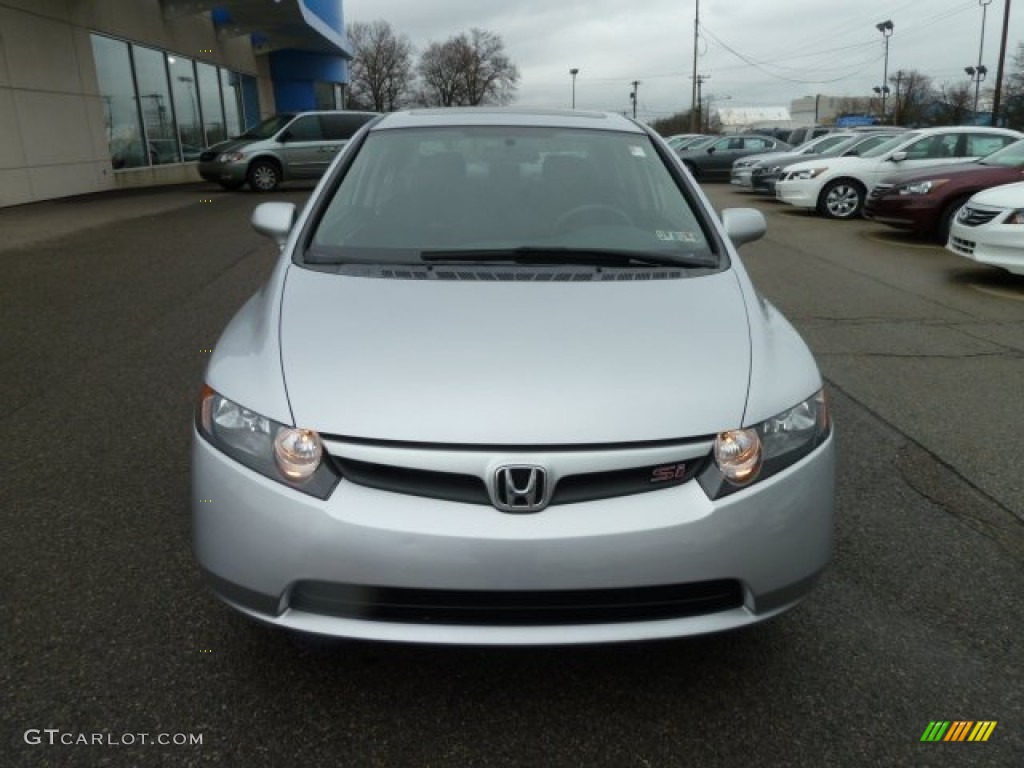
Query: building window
[120, 107]
[186, 106]
[155, 105]
[163, 108]
[232, 90]
[323, 95]
[209, 102]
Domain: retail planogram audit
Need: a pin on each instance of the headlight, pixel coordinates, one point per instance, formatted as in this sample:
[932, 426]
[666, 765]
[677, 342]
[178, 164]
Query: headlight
[741, 457]
[231, 157]
[807, 173]
[293, 457]
[920, 187]
[1015, 217]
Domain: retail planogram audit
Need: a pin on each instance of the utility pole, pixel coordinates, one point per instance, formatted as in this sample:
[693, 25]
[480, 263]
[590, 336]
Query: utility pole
[633, 95]
[980, 69]
[896, 111]
[698, 81]
[694, 104]
[999, 69]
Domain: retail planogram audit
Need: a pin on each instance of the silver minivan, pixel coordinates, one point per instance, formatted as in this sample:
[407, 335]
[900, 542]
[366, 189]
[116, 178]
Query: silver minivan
[290, 145]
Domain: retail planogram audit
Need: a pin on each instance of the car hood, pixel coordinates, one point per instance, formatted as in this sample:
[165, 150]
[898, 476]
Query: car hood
[958, 170]
[834, 163]
[1003, 196]
[230, 145]
[764, 157]
[515, 363]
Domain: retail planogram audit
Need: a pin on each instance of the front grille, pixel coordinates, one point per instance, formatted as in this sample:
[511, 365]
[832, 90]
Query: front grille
[880, 190]
[975, 217]
[470, 489]
[515, 608]
[960, 245]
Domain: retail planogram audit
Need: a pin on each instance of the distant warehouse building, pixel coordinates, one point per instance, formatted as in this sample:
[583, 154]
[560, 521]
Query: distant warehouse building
[101, 94]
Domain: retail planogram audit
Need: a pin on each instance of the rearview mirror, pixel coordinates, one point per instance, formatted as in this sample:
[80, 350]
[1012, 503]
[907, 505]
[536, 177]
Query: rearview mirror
[744, 225]
[275, 220]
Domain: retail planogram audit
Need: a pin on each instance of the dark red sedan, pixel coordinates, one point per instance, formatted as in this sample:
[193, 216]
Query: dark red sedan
[926, 201]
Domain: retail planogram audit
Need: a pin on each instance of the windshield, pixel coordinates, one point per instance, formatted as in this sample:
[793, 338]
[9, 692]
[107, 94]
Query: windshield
[412, 192]
[268, 127]
[1012, 156]
[891, 144]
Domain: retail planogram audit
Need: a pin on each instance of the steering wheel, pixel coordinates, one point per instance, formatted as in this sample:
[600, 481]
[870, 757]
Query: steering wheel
[587, 208]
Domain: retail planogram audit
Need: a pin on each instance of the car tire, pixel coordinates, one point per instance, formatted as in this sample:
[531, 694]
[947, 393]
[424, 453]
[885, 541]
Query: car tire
[841, 199]
[230, 186]
[264, 176]
[946, 219]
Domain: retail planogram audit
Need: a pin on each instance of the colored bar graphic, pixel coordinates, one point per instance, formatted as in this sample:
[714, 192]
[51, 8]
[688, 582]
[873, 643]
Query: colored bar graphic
[982, 730]
[958, 730]
[935, 730]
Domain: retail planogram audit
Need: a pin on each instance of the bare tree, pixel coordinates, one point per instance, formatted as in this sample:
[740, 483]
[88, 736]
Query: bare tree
[488, 75]
[467, 70]
[915, 96]
[439, 70]
[1013, 92]
[956, 103]
[381, 72]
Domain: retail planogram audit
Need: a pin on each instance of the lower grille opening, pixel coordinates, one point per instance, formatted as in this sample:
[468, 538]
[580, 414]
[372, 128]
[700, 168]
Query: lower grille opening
[516, 608]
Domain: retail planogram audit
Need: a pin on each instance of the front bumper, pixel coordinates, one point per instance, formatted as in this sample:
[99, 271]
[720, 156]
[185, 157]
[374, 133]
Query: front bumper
[801, 193]
[262, 545]
[740, 177]
[997, 245]
[906, 212]
[216, 171]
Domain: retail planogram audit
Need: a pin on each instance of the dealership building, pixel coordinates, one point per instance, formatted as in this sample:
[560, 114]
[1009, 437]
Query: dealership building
[107, 94]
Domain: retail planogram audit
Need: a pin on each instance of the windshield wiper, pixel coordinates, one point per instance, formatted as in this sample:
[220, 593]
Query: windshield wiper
[599, 257]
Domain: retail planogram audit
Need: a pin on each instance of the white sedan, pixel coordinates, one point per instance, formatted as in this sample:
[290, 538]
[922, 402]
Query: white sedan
[837, 186]
[990, 228]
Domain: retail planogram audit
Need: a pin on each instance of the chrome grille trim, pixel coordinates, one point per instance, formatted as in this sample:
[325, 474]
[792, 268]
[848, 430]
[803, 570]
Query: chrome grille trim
[971, 216]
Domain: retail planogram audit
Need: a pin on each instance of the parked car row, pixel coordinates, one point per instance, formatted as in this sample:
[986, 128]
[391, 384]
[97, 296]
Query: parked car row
[963, 186]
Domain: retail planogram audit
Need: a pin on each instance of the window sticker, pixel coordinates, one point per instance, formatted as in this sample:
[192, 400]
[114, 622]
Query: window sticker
[676, 237]
[636, 151]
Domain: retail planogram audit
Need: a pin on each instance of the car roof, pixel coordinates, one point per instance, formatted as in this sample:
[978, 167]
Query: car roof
[506, 116]
[965, 128]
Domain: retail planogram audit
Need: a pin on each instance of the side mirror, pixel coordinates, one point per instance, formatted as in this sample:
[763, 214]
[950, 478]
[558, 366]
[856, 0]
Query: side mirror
[711, 150]
[744, 225]
[275, 220]
[898, 157]
[284, 136]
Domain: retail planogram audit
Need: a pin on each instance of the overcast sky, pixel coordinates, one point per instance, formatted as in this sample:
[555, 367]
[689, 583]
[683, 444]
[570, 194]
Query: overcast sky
[754, 52]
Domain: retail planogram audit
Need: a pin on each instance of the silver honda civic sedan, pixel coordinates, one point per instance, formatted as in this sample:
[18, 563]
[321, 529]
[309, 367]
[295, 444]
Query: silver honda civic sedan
[509, 383]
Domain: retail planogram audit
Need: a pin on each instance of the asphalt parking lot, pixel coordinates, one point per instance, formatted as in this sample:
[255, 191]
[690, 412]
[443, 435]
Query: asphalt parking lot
[108, 305]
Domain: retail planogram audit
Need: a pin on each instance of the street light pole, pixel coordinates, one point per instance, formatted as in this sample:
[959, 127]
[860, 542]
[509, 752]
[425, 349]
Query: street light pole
[885, 27]
[977, 83]
[694, 105]
[977, 74]
[574, 71]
